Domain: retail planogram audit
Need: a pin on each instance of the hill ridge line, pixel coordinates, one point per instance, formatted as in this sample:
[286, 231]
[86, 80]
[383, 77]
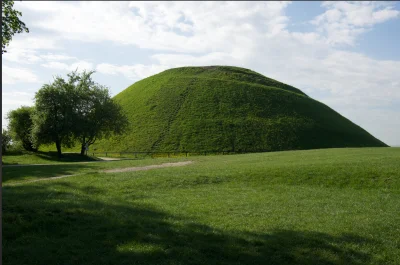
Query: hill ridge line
[298, 92]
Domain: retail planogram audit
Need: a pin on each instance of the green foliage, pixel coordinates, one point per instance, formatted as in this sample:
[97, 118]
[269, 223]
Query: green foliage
[98, 114]
[221, 108]
[20, 126]
[10, 23]
[54, 115]
[5, 141]
[329, 206]
[75, 110]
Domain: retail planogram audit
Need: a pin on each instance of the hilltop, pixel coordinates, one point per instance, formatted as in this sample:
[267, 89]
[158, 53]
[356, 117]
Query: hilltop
[222, 108]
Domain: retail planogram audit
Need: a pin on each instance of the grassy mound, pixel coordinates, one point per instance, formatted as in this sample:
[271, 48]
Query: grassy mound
[220, 108]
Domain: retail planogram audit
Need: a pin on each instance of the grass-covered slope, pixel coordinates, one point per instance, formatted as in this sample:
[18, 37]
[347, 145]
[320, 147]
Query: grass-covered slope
[220, 108]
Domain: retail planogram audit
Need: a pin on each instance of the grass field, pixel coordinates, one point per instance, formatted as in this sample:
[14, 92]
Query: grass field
[331, 206]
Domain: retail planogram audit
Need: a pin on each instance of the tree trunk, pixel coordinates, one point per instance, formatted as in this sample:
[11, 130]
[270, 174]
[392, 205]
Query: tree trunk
[83, 149]
[58, 145]
[83, 146]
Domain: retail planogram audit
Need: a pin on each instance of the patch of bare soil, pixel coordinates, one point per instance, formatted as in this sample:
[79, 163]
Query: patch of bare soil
[177, 164]
[109, 158]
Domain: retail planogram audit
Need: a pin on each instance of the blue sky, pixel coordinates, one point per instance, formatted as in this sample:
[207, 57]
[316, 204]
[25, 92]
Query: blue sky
[344, 54]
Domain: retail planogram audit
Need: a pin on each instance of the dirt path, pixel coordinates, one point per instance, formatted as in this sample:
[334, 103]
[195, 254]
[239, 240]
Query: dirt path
[58, 177]
[110, 158]
[115, 170]
[177, 164]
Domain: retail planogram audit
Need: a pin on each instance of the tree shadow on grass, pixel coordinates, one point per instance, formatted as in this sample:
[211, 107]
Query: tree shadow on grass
[28, 173]
[65, 224]
[66, 157]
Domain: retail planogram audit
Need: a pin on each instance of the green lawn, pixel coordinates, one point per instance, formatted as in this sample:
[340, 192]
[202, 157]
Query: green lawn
[332, 206]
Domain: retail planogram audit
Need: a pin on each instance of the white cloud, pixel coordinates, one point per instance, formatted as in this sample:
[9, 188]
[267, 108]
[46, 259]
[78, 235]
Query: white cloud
[11, 75]
[352, 75]
[13, 103]
[80, 65]
[343, 22]
[56, 65]
[43, 7]
[307, 37]
[25, 41]
[23, 56]
[160, 25]
[57, 57]
[154, 25]
[16, 93]
[132, 72]
[26, 49]
[31, 56]
[178, 60]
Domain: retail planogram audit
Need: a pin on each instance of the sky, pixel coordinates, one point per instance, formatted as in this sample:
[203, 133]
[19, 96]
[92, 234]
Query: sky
[343, 54]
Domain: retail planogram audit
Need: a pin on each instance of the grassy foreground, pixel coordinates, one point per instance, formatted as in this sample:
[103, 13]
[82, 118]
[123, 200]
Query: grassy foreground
[334, 206]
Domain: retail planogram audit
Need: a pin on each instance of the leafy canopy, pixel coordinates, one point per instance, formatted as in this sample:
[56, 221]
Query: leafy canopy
[20, 126]
[75, 110]
[53, 118]
[5, 140]
[98, 115]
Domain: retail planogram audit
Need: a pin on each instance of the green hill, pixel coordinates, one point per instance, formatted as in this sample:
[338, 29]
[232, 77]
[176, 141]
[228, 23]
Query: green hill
[221, 108]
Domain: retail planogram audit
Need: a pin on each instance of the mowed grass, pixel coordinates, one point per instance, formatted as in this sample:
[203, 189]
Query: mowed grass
[332, 206]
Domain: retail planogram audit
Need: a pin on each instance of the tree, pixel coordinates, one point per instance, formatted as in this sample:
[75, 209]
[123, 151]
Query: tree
[53, 117]
[5, 140]
[76, 110]
[20, 126]
[98, 115]
[10, 23]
